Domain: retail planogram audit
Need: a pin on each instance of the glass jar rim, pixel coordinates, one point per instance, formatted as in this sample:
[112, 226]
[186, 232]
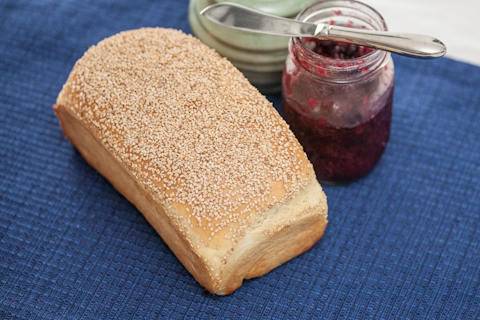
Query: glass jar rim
[375, 59]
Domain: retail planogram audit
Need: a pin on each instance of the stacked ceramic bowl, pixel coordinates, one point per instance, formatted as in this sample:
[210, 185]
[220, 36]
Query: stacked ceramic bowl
[260, 57]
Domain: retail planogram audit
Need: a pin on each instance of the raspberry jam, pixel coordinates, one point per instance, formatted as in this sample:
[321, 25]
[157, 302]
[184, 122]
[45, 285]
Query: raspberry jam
[341, 154]
[337, 97]
[335, 49]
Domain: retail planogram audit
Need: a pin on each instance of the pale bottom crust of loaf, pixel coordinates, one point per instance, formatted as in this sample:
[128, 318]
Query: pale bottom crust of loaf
[255, 255]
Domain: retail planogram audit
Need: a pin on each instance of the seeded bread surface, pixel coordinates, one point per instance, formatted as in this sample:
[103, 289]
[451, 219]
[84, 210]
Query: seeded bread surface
[203, 155]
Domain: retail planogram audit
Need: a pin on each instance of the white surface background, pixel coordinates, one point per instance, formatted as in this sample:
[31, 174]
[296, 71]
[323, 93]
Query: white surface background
[454, 22]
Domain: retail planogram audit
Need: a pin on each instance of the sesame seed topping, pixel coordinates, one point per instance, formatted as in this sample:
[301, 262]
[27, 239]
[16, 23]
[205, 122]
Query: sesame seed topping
[189, 127]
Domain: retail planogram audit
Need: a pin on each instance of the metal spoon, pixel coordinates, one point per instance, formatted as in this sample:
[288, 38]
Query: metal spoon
[239, 17]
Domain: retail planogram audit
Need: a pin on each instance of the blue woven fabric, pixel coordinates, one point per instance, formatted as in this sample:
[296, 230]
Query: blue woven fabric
[403, 242]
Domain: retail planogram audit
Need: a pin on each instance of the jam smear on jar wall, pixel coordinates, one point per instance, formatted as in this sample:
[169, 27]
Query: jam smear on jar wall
[337, 97]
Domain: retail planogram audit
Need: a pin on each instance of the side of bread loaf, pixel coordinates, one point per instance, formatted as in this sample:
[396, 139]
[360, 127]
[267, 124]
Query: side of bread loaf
[205, 157]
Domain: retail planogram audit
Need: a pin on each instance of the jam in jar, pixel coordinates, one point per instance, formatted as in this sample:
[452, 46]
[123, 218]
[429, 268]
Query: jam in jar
[337, 97]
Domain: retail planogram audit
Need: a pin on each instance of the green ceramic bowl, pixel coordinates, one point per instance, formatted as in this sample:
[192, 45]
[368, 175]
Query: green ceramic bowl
[283, 8]
[260, 57]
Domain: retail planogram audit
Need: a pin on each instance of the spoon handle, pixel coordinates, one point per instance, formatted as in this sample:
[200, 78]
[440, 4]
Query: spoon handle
[407, 44]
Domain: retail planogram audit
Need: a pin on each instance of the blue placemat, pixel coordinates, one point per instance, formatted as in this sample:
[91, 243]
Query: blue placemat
[402, 242]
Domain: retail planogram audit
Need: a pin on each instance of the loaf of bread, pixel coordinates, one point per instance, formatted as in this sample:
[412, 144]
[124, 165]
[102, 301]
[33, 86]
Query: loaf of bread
[198, 150]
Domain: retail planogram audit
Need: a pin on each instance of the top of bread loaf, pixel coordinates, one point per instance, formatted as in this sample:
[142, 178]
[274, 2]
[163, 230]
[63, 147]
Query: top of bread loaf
[191, 129]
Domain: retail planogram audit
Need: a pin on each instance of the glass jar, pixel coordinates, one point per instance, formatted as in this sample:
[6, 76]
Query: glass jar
[337, 97]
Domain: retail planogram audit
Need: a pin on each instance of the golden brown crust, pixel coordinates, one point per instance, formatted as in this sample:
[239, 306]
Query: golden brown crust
[98, 157]
[206, 166]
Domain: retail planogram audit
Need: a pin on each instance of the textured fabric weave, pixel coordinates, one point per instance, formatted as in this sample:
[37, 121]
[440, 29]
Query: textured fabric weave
[403, 242]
